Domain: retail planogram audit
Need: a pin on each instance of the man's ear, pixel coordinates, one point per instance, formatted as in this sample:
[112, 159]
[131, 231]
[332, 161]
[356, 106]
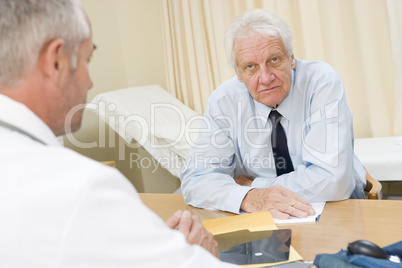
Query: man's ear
[54, 60]
[292, 58]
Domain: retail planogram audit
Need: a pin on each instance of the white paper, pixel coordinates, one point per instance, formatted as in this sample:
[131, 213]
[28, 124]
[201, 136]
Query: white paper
[318, 207]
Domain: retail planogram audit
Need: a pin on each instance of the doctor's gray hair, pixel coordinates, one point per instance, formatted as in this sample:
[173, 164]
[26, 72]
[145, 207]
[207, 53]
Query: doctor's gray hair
[257, 21]
[28, 26]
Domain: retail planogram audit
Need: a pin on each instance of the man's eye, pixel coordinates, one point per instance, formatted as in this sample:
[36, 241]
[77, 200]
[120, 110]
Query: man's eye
[274, 59]
[250, 66]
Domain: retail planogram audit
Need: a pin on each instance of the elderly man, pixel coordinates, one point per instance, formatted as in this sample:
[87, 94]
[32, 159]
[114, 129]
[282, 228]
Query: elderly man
[277, 135]
[58, 208]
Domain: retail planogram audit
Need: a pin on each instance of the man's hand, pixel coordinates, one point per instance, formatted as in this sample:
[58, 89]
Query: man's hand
[193, 230]
[279, 201]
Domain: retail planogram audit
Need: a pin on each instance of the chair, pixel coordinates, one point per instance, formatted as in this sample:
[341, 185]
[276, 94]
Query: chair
[373, 187]
[109, 163]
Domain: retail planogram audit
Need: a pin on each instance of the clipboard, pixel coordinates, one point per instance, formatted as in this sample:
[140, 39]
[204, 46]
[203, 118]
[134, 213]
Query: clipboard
[253, 223]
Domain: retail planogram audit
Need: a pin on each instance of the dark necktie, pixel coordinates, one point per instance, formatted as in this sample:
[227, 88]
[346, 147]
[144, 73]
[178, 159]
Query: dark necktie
[283, 163]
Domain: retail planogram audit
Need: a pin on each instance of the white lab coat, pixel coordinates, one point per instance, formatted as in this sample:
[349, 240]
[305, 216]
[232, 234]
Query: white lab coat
[61, 209]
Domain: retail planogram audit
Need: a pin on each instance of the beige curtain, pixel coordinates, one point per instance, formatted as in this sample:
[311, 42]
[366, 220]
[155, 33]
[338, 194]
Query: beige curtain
[361, 39]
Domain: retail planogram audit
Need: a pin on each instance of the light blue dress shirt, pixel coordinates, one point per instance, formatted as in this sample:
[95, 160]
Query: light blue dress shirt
[235, 139]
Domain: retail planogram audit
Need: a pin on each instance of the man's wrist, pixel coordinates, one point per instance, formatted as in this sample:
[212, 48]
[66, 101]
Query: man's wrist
[245, 204]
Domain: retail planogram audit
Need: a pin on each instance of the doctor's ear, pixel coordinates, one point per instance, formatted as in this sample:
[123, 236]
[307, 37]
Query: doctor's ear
[54, 59]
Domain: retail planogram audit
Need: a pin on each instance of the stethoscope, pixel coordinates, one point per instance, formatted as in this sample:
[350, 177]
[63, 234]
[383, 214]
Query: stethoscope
[11, 127]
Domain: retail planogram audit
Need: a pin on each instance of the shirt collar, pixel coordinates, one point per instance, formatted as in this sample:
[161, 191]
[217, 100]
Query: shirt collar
[20, 116]
[284, 108]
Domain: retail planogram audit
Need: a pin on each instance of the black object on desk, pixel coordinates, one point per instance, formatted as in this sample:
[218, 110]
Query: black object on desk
[370, 249]
[245, 247]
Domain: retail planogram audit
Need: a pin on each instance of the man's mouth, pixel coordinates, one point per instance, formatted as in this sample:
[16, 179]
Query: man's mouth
[269, 89]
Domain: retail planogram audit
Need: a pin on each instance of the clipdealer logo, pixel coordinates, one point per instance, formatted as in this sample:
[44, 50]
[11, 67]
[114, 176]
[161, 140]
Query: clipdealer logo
[138, 131]
[325, 150]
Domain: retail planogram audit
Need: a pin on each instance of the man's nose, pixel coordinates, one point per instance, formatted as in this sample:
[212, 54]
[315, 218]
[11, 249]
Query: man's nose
[266, 76]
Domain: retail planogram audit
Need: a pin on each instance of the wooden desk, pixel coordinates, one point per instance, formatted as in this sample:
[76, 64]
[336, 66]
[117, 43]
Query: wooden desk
[379, 221]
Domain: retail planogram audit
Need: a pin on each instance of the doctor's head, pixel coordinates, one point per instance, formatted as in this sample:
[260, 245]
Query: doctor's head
[45, 46]
[259, 46]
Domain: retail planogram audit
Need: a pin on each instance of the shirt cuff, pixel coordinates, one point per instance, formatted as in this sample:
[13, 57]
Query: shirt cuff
[260, 182]
[234, 203]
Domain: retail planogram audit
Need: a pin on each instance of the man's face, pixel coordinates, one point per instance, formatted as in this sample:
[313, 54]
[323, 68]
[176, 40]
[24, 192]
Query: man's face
[76, 84]
[265, 68]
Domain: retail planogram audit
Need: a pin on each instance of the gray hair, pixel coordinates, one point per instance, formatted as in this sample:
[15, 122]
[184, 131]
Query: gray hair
[257, 21]
[27, 26]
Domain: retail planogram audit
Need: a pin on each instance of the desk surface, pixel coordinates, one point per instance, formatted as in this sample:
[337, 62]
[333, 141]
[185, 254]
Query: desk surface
[341, 222]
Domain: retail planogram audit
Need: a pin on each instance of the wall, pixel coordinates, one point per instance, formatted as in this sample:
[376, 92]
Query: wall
[128, 37]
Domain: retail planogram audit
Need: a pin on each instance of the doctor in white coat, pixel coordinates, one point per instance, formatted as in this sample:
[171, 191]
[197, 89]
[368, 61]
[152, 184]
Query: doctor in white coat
[58, 208]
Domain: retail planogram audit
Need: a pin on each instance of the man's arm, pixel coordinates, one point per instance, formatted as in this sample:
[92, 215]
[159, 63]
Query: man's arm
[280, 202]
[207, 179]
[111, 226]
[192, 228]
